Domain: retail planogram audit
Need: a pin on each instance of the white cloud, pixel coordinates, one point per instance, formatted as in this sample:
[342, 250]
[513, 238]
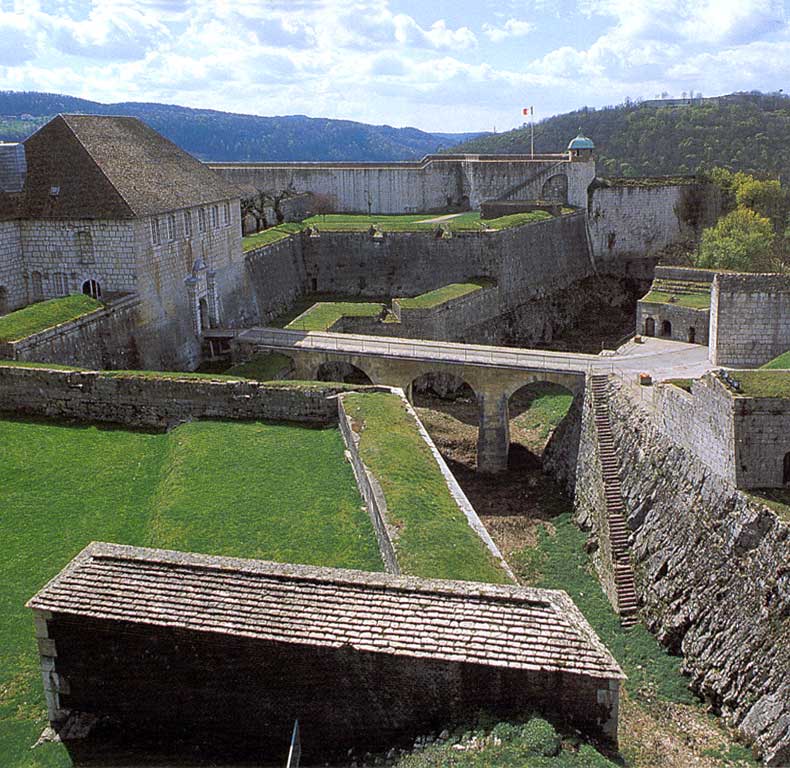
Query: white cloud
[511, 28]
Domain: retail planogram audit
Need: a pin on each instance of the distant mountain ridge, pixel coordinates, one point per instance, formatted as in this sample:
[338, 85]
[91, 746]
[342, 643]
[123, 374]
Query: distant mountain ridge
[740, 131]
[226, 136]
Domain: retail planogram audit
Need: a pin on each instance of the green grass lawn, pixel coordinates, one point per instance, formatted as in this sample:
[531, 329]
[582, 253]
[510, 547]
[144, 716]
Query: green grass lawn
[445, 293]
[548, 406]
[45, 314]
[323, 315]
[783, 361]
[434, 537]
[690, 300]
[214, 487]
[263, 367]
[269, 236]
[765, 383]
[469, 221]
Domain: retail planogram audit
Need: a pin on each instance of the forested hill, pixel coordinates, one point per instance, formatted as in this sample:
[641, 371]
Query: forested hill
[742, 132]
[212, 135]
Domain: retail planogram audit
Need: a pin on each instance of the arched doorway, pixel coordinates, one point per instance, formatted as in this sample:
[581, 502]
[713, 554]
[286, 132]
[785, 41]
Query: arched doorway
[650, 326]
[666, 328]
[786, 469]
[92, 288]
[692, 335]
[204, 318]
[342, 372]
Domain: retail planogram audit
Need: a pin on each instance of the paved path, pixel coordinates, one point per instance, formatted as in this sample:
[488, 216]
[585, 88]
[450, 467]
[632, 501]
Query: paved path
[661, 358]
[439, 219]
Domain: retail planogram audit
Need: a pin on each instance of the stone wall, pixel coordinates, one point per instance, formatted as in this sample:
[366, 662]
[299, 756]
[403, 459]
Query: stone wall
[710, 566]
[102, 339]
[750, 319]
[157, 403]
[277, 277]
[13, 290]
[635, 221]
[762, 441]
[436, 183]
[701, 421]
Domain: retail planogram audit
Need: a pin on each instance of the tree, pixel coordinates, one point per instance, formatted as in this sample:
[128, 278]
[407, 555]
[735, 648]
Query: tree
[765, 197]
[742, 240]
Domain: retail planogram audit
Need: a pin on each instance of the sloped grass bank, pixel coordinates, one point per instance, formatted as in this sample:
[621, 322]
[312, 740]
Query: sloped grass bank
[45, 314]
[444, 294]
[323, 315]
[690, 300]
[214, 487]
[434, 537]
[781, 362]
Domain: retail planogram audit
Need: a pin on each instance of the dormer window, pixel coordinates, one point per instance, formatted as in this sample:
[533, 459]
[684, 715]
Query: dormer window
[54, 191]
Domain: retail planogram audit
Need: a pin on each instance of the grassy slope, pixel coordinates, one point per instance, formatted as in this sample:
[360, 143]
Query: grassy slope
[193, 488]
[262, 367]
[45, 314]
[269, 236]
[690, 300]
[770, 383]
[435, 540]
[323, 315]
[445, 293]
[783, 361]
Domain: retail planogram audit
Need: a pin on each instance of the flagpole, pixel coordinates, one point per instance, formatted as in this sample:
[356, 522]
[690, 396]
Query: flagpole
[532, 135]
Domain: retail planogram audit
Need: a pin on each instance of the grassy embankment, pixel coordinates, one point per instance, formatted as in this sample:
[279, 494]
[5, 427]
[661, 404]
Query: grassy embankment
[323, 315]
[412, 222]
[434, 537]
[444, 294]
[762, 383]
[690, 300]
[781, 362]
[45, 314]
[62, 486]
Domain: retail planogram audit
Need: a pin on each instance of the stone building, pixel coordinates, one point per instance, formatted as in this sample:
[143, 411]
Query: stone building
[107, 206]
[216, 657]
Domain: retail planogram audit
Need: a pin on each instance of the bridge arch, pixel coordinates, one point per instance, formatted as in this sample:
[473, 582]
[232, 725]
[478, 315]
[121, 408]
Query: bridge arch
[342, 371]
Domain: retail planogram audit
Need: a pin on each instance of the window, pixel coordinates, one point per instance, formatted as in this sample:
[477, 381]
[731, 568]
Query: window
[156, 236]
[187, 224]
[214, 216]
[84, 246]
[201, 220]
[171, 227]
[38, 286]
[227, 214]
[60, 283]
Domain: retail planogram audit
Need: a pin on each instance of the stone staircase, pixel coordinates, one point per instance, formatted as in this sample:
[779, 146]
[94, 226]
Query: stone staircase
[615, 510]
[510, 194]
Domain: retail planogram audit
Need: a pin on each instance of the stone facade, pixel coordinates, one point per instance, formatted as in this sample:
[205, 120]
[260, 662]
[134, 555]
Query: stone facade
[672, 321]
[436, 183]
[749, 319]
[216, 657]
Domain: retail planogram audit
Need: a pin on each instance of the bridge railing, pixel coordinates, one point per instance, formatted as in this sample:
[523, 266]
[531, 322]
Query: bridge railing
[416, 349]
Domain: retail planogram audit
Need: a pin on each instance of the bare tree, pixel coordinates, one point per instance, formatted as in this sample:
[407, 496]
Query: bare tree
[256, 204]
[322, 204]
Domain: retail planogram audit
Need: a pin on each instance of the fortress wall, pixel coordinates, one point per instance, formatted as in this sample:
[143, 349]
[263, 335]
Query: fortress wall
[681, 318]
[147, 402]
[637, 221]
[526, 262]
[701, 421]
[710, 566]
[762, 439]
[102, 339]
[11, 267]
[436, 183]
[750, 319]
[276, 274]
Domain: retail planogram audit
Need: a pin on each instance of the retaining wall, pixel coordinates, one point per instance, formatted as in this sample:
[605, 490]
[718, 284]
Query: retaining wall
[102, 339]
[138, 401]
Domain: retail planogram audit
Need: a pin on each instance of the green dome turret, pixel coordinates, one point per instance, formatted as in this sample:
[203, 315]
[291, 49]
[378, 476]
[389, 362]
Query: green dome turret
[581, 142]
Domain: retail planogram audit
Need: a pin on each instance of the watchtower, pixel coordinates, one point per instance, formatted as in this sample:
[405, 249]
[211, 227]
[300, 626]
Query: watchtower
[581, 148]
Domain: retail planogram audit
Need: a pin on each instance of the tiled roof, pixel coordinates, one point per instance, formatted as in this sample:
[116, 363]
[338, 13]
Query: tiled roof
[112, 167]
[470, 622]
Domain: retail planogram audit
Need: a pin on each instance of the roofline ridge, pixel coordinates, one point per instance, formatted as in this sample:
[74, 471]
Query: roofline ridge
[118, 192]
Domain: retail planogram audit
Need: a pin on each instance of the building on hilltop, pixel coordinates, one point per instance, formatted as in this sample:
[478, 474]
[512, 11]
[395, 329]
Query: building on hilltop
[105, 205]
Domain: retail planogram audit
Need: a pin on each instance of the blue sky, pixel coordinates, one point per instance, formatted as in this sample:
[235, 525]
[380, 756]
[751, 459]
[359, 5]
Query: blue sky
[441, 66]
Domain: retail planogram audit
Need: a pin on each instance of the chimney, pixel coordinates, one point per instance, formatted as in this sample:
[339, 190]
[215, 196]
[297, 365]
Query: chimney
[13, 167]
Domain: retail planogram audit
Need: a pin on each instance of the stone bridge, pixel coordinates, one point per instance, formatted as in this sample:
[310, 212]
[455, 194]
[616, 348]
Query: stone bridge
[494, 374]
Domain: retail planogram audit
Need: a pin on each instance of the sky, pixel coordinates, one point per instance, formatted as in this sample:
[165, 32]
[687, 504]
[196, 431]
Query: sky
[465, 65]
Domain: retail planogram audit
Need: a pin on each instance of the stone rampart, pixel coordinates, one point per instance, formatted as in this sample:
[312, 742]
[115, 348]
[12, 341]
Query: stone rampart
[750, 319]
[140, 400]
[762, 441]
[101, 339]
[13, 289]
[436, 183]
[710, 566]
[276, 274]
[633, 222]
